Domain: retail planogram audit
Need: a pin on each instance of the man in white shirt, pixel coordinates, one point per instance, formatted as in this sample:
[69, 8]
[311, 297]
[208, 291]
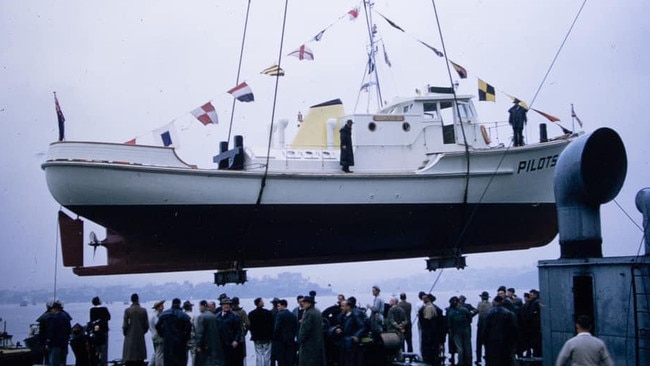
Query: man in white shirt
[157, 356]
[584, 349]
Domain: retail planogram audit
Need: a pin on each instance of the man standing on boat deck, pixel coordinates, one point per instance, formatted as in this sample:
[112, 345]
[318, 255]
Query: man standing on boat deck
[347, 155]
[517, 120]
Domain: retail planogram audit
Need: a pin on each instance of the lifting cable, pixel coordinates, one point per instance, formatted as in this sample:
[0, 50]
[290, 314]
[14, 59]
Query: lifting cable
[451, 82]
[56, 253]
[241, 57]
[474, 210]
[275, 98]
[575, 19]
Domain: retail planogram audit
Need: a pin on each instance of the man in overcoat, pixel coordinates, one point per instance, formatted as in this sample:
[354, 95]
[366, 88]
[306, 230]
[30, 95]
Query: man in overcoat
[229, 326]
[347, 155]
[310, 336]
[517, 120]
[285, 329]
[134, 326]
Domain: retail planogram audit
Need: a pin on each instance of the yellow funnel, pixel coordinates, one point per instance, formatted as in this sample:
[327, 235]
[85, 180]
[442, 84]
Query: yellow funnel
[313, 129]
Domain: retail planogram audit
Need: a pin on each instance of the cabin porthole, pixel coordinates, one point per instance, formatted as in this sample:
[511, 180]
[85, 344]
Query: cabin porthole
[406, 127]
[372, 126]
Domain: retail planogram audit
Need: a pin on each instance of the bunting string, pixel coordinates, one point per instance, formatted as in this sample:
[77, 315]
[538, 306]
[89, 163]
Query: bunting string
[242, 92]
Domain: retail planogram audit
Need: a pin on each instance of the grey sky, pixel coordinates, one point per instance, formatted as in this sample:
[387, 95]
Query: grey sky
[123, 68]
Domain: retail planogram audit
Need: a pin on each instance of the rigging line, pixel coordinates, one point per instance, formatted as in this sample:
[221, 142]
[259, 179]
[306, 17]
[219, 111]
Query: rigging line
[56, 253]
[435, 282]
[557, 54]
[365, 72]
[367, 7]
[275, 99]
[451, 82]
[340, 18]
[480, 200]
[241, 57]
[628, 215]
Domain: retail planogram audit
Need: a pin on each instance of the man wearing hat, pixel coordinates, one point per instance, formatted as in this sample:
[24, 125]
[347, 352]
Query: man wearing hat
[429, 330]
[459, 326]
[483, 307]
[274, 306]
[157, 356]
[206, 336]
[175, 327]
[534, 326]
[240, 351]
[310, 336]
[58, 333]
[517, 120]
[219, 299]
[285, 329]
[187, 308]
[499, 335]
[347, 155]
[229, 327]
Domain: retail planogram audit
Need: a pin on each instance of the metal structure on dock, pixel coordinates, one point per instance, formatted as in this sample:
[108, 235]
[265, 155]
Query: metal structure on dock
[614, 291]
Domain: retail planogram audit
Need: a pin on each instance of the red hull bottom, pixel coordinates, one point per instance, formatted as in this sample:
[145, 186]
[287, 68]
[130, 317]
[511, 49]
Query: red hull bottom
[183, 238]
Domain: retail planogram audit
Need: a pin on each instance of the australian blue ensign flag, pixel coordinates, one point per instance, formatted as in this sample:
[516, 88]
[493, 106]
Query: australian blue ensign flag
[60, 117]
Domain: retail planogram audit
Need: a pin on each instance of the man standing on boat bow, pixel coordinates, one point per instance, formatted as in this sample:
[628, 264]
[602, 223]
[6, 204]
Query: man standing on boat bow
[517, 120]
[347, 155]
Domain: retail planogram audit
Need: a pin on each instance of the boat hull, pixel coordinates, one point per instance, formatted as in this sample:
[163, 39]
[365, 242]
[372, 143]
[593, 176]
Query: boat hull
[163, 215]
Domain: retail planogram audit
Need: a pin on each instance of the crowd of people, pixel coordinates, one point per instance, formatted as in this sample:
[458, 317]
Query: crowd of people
[508, 327]
[55, 333]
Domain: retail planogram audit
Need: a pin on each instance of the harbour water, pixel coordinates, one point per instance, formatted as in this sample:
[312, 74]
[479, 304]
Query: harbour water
[18, 318]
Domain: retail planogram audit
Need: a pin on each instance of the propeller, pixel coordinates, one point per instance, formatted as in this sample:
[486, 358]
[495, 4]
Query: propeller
[94, 242]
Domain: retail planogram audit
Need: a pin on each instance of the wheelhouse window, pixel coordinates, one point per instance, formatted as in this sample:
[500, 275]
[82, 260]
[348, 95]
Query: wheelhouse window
[430, 110]
[447, 112]
[465, 111]
[450, 113]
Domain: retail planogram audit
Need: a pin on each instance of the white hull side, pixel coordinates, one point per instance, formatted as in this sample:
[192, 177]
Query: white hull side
[104, 182]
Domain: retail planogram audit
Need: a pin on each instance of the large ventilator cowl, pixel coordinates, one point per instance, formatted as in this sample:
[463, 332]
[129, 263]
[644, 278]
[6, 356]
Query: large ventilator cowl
[589, 172]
